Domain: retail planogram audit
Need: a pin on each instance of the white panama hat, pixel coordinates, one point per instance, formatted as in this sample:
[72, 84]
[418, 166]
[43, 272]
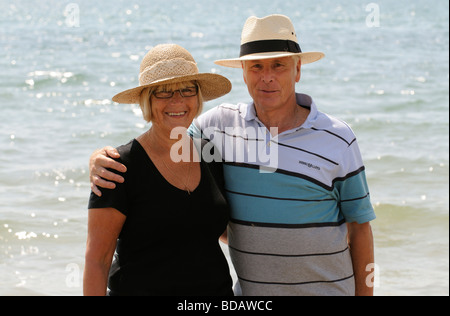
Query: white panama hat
[273, 36]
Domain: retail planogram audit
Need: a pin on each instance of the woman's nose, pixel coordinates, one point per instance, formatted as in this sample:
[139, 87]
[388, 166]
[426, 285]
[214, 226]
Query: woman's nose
[177, 97]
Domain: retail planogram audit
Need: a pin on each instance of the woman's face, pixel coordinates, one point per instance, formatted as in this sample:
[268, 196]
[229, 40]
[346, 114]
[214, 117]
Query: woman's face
[174, 105]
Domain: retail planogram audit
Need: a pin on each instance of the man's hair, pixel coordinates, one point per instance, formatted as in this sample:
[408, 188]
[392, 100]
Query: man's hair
[296, 58]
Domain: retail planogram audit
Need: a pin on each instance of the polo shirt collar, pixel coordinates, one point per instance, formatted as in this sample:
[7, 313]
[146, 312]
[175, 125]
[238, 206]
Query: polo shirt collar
[306, 101]
[248, 112]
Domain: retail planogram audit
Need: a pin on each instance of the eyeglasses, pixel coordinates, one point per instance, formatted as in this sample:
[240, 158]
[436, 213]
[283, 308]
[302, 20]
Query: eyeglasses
[185, 93]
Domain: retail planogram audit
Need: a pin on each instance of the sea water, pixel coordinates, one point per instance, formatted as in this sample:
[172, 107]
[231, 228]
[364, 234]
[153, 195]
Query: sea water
[386, 73]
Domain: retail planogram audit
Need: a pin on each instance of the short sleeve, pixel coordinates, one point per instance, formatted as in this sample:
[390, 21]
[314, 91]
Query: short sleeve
[353, 189]
[355, 199]
[114, 198]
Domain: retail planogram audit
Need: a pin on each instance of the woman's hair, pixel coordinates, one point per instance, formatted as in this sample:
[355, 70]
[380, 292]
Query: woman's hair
[146, 97]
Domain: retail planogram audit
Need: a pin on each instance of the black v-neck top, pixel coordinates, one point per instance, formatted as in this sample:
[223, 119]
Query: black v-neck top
[169, 241]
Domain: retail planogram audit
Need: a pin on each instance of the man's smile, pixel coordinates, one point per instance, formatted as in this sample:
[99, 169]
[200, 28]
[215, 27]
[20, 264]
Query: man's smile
[268, 91]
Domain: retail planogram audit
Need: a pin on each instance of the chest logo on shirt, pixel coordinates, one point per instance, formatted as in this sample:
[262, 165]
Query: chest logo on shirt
[309, 165]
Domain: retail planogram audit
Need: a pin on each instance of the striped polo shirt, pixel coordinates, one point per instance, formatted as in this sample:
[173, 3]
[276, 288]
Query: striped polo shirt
[291, 196]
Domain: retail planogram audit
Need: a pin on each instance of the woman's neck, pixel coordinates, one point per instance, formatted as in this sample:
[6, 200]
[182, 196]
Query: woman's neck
[160, 143]
[158, 139]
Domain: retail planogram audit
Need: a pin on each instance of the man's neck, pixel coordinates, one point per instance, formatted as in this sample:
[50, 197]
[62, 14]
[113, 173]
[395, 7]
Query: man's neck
[284, 118]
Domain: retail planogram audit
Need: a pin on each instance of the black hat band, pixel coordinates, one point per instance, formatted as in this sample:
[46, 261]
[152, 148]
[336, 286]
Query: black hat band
[267, 46]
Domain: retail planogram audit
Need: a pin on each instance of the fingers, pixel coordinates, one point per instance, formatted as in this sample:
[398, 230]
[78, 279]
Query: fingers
[95, 189]
[99, 182]
[99, 175]
[103, 174]
[106, 162]
[111, 152]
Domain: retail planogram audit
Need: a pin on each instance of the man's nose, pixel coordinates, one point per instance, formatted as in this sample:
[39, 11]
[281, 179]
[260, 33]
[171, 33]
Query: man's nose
[267, 75]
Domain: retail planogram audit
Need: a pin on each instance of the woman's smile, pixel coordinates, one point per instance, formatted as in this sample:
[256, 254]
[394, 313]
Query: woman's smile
[177, 114]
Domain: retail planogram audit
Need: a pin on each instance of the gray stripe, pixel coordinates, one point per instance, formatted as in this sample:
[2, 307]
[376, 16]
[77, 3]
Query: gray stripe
[288, 241]
[292, 270]
[280, 261]
[342, 288]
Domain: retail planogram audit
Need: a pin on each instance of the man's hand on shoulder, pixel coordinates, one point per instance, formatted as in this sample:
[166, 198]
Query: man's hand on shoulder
[101, 160]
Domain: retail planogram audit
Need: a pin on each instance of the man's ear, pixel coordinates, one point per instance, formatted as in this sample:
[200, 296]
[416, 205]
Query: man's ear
[299, 70]
[243, 72]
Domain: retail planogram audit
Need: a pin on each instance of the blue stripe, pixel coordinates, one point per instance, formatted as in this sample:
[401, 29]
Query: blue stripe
[355, 198]
[262, 210]
[243, 179]
[277, 198]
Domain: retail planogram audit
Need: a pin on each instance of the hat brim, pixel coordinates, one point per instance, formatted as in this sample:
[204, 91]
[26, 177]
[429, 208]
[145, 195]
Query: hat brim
[306, 58]
[213, 86]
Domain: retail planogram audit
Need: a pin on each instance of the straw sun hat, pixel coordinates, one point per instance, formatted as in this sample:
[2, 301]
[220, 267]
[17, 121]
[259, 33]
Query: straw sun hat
[273, 36]
[171, 63]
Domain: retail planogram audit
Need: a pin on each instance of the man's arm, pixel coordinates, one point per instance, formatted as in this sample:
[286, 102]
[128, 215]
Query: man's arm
[99, 175]
[360, 240]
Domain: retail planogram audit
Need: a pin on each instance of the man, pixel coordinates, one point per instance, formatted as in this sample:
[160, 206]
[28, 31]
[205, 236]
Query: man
[294, 177]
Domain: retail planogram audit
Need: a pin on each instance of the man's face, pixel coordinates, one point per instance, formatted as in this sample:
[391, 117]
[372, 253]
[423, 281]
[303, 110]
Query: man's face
[271, 82]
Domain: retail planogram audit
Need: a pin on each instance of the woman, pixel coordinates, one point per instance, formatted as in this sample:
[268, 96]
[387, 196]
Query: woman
[165, 220]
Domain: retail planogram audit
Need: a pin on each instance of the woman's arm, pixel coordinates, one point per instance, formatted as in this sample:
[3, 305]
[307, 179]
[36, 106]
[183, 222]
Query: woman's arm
[224, 237]
[104, 226]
